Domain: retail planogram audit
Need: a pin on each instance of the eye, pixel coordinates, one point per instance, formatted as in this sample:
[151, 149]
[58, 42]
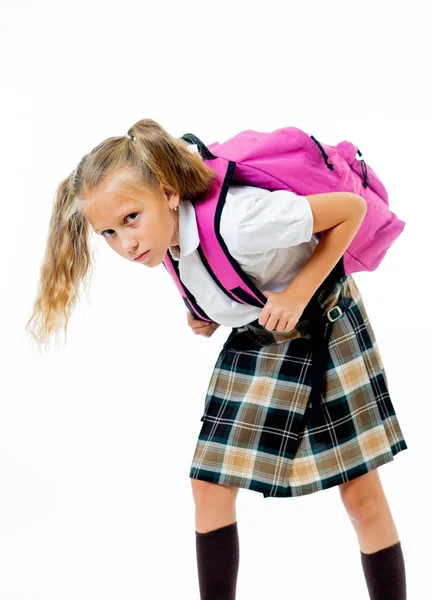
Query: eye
[104, 232]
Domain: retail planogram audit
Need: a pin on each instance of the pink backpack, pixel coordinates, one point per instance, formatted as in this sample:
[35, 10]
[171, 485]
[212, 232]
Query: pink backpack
[285, 159]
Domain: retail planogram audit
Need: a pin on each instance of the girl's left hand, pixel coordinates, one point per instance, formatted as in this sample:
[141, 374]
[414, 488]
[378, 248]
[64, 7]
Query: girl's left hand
[282, 310]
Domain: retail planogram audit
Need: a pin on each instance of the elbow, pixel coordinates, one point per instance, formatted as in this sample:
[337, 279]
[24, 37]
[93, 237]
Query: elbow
[362, 209]
[358, 206]
[362, 204]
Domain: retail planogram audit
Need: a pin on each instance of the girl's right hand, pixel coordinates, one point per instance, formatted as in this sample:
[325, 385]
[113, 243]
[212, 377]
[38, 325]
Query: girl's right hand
[200, 327]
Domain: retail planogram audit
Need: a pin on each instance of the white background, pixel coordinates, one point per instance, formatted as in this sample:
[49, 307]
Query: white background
[96, 437]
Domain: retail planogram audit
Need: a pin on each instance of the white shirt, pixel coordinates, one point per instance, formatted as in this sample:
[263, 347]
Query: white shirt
[270, 234]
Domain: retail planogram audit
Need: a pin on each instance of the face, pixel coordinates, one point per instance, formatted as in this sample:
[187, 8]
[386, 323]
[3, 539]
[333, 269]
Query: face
[133, 222]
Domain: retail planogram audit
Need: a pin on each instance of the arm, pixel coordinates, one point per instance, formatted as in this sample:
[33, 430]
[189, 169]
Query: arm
[338, 216]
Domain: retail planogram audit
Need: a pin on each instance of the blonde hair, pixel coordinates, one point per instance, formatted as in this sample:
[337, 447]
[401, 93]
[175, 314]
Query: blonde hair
[156, 157]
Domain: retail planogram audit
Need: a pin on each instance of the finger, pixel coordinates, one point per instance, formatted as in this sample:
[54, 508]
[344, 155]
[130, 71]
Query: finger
[290, 325]
[283, 324]
[192, 320]
[196, 322]
[201, 327]
[210, 328]
[264, 317]
[205, 332]
[199, 322]
[198, 330]
[272, 322]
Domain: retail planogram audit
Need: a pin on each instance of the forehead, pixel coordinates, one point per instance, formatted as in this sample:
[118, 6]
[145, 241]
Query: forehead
[107, 204]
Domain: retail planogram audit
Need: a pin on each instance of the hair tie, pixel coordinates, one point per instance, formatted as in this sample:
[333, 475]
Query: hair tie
[130, 137]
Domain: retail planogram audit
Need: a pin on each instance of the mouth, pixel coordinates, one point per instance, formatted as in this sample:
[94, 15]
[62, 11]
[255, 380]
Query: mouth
[141, 255]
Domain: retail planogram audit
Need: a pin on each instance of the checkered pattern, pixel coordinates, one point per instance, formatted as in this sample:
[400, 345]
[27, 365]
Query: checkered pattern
[258, 431]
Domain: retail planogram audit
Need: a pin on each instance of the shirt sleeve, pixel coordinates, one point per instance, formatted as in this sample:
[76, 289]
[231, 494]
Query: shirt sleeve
[267, 220]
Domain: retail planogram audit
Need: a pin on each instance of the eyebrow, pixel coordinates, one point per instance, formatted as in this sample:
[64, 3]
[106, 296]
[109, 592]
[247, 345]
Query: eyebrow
[119, 217]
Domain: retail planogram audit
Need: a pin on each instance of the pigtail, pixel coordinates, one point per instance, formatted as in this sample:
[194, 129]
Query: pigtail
[66, 264]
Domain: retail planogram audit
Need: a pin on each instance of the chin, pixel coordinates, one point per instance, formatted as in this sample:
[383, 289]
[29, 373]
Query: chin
[152, 263]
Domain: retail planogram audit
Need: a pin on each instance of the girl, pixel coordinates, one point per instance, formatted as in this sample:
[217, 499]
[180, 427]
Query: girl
[258, 431]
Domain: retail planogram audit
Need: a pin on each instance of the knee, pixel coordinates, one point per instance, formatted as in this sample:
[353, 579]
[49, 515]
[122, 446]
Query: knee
[363, 497]
[360, 509]
[362, 503]
[205, 492]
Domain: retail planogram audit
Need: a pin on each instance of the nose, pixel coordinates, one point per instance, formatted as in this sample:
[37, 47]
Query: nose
[129, 245]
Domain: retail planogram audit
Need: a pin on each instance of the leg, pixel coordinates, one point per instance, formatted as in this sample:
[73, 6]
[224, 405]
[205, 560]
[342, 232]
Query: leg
[369, 512]
[217, 542]
[214, 505]
[380, 548]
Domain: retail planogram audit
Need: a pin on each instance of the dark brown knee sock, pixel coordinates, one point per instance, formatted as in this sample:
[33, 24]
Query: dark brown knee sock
[218, 562]
[385, 573]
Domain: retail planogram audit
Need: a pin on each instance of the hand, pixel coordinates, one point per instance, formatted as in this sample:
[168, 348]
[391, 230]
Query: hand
[282, 310]
[200, 327]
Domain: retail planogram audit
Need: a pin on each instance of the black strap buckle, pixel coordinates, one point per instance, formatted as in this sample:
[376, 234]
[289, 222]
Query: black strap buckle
[330, 318]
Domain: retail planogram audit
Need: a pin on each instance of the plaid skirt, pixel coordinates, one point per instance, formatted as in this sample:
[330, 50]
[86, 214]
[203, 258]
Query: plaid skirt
[262, 431]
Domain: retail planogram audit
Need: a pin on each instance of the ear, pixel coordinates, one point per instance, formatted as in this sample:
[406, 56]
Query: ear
[169, 195]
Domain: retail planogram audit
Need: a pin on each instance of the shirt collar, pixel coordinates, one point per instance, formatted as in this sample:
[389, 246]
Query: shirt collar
[188, 231]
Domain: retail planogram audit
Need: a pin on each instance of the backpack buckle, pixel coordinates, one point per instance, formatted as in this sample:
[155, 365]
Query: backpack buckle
[337, 308]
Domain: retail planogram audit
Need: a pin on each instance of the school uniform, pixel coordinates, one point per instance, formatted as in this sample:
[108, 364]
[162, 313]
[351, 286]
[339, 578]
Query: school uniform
[275, 421]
